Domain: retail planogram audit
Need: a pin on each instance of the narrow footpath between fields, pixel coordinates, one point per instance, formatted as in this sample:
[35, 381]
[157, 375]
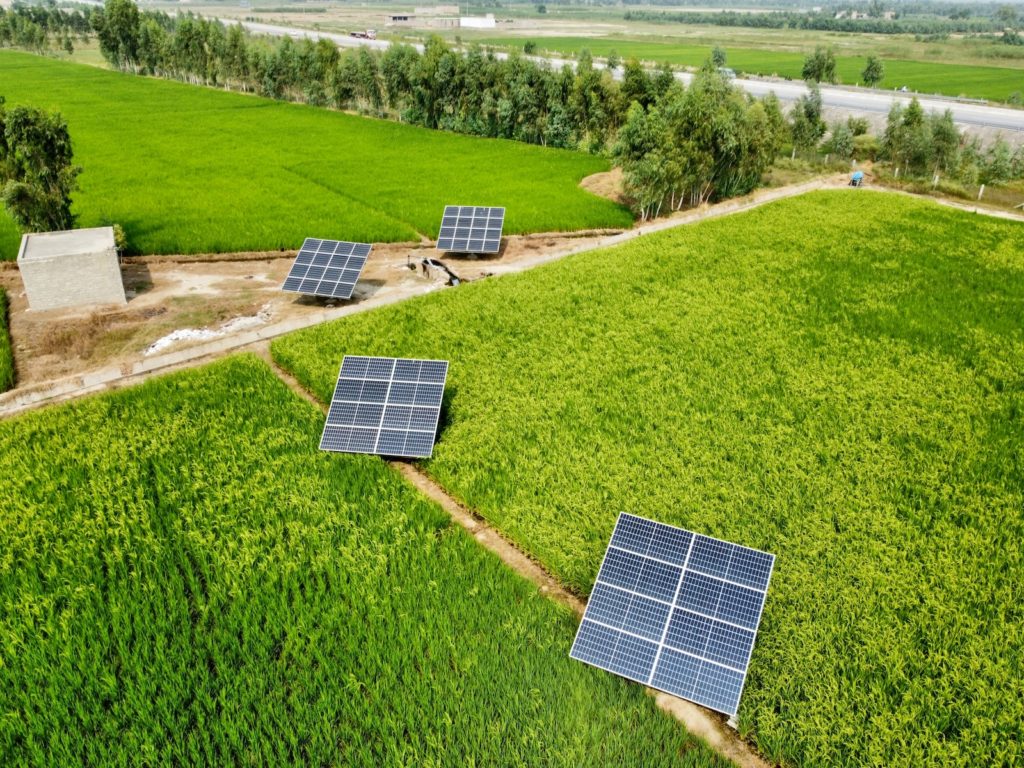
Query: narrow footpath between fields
[708, 726]
[131, 371]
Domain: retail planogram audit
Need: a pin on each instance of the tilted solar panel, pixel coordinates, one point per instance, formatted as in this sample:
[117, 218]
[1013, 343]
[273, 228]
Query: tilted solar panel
[385, 405]
[471, 229]
[327, 268]
[676, 611]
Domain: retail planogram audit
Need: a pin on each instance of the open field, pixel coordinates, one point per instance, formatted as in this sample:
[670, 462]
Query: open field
[837, 379]
[186, 579]
[188, 169]
[983, 82]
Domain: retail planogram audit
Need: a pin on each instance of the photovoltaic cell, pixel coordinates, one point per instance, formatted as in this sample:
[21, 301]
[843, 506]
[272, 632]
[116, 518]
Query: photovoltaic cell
[385, 405]
[327, 268]
[471, 229]
[675, 610]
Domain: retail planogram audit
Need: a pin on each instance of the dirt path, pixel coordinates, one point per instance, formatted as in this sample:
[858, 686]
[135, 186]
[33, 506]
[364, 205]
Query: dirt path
[238, 303]
[700, 722]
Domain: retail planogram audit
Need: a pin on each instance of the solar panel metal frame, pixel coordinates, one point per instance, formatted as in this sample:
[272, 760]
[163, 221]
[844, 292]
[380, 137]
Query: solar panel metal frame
[658, 616]
[388, 406]
[327, 268]
[471, 229]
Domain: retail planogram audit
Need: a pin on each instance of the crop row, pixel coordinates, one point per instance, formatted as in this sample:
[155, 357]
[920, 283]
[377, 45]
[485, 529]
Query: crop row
[186, 169]
[837, 379]
[186, 579]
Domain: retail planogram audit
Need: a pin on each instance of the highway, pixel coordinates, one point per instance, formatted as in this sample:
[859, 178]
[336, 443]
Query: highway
[861, 100]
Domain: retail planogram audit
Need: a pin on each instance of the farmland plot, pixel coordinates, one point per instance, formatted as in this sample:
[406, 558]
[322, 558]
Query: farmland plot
[186, 580]
[837, 379]
[191, 170]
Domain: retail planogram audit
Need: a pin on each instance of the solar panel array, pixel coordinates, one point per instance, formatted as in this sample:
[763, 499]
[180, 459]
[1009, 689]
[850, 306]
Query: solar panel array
[327, 268]
[385, 405]
[471, 229]
[676, 611]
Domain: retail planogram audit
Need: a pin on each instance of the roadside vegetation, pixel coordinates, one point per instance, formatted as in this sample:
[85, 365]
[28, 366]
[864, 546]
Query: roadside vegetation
[186, 579]
[191, 170]
[997, 83]
[836, 379]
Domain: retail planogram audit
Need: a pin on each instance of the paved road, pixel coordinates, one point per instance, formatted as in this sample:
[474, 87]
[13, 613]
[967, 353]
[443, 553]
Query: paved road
[852, 99]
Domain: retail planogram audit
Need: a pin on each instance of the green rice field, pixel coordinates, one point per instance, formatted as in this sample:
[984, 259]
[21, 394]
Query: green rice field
[837, 379]
[994, 83]
[187, 170]
[186, 580]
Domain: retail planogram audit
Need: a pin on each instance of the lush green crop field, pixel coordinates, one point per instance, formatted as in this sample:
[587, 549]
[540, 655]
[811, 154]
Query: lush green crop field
[6, 352]
[188, 169]
[187, 580]
[838, 379]
[995, 83]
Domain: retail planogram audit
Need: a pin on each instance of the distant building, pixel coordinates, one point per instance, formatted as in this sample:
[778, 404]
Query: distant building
[478, 22]
[399, 20]
[78, 267]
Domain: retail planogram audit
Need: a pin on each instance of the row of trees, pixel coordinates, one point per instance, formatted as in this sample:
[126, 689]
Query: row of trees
[926, 145]
[823, 21]
[39, 28]
[820, 67]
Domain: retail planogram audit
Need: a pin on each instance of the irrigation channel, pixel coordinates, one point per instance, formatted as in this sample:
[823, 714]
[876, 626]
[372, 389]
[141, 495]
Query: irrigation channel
[698, 721]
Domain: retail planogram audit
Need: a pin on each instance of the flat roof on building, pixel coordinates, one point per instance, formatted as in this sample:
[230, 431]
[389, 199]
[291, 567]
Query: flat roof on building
[39, 246]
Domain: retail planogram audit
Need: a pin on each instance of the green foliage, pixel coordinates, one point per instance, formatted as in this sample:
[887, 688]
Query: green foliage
[995, 83]
[270, 174]
[117, 26]
[706, 142]
[840, 141]
[187, 580]
[819, 67]
[6, 350]
[920, 145]
[873, 72]
[866, 147]
[838, 379]
[37, 176]
[806, 124]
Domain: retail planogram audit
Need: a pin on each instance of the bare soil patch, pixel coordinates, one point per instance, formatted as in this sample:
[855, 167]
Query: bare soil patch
[202, 296]
[607, 185]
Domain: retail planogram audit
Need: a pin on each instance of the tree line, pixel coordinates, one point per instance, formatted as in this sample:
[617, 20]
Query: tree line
[930, 145]
[677, 146]
[38, 28]
[823, 21]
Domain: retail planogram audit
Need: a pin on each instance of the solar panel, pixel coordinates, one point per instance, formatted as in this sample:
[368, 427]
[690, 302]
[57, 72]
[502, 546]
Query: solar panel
[676, 611]
[327, 268]
[471, 229]
[385, 405]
